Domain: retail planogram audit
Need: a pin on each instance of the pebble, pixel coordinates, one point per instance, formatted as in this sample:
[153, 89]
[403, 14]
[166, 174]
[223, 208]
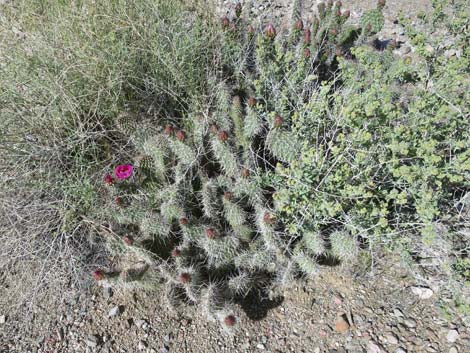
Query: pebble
[264, 339]
[453, 350]
[142, 323]
[397, 313]
[400, 350]
[114, 311]
[3, 319]
[452, 336]
[92, 341]
[260, 346]
[422, 292]
[372, 347]
[142, 345]
[410, 323]
[107, 292]
[391, 338]
[341, 325]
[165, 349]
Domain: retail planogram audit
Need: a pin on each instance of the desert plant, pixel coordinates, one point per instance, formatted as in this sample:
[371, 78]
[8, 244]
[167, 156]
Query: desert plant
[202, 195]
[386, 155]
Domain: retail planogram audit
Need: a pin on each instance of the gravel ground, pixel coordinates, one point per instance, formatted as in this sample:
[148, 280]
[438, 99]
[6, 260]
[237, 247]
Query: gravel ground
[387, 312]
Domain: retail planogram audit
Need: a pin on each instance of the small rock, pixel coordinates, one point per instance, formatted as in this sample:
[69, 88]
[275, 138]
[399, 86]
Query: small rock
[453, 350]
[60, 333]
[422, 292]
[316, 350]
[165, 349]
[114, 311]
[397, 313]
[260, 346]
[452, 336]
[141, 323]
[142, 345]
[400, 350]
[373, 347]
[107, 292]
[410, 323]
[337, 300]
[264, 339]
[341, 325]
[3, 319]
[92, 341]
[391, 338]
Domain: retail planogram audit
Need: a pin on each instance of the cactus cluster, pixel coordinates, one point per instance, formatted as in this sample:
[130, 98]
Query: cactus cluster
[202, 197]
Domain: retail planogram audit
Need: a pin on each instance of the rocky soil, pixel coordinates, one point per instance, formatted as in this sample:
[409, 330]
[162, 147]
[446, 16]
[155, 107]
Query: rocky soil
[387, 311]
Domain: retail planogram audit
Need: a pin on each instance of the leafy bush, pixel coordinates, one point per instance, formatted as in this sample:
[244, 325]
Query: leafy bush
[385, 149]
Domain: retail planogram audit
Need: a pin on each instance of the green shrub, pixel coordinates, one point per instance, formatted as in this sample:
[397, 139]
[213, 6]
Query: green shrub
[385, 147]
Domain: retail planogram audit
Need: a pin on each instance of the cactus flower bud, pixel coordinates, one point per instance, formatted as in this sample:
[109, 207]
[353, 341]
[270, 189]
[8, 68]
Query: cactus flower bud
[119, 201]
[181, 135]
[268, 218]
[230, 320]
[307, 53]
[339, 4]
[307, 36]
[223, 135]
[169, 130]
[270, 31]
[278, 121]
[299, 25]
[98, 275]
[250, 30]
[329, 3]
[334, 31]
[108, 179]
[339, 52]
[183, 221]
[228, 195]
[185, 277]
[210, 233]
[175, 252]
[238, 9]
[252, 102]
[245, 173]
[381, 4]
[225, 22]
[128, 240]
[346, 14]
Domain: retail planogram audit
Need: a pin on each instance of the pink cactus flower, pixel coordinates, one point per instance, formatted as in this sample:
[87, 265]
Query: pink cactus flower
[98, 275]
[124, 171]
[108, 179]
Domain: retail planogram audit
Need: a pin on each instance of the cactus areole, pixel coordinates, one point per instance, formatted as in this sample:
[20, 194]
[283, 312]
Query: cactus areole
[230, 320]
[270, 31]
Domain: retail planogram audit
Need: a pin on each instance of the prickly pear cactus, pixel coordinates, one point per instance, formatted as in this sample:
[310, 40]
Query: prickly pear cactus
[200, 205]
